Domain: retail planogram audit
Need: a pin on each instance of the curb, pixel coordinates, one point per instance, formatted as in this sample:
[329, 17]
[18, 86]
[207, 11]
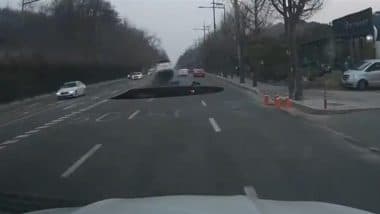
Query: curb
[310, 110]
[299, 106]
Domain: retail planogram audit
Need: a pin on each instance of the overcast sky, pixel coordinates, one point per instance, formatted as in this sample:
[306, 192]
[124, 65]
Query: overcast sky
[173, 20]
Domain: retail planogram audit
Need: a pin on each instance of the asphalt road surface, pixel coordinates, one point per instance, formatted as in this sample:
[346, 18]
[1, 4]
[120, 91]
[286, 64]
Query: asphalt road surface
[93, 148]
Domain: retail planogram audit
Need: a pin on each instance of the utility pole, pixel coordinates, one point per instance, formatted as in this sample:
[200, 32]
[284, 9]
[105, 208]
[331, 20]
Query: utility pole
[213, 12]
[239, 42]
[215, 5]
[204, 29]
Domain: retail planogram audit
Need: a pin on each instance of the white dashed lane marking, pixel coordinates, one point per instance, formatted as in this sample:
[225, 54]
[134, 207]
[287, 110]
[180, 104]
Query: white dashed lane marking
[22, 136]
[99, 119]
[133, 115]
[32, 131]
[176, 113]
[204, 103]
[8, 142]
[79, 162]
[48, 124]
[150, 100]
[70, 106]
[215, 125]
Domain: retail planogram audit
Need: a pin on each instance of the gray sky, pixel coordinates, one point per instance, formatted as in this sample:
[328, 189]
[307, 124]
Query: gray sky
[173, 20]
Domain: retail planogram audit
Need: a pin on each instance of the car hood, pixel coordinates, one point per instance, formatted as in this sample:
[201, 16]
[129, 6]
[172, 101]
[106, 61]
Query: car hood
[67, 89]
[204, 204]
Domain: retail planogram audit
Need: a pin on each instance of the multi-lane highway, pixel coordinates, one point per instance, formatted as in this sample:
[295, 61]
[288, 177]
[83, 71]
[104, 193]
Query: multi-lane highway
[93, 148]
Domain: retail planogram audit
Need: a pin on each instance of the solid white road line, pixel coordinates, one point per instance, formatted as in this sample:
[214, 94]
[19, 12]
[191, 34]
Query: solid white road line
[204, 103]
[79, 162]
[115, 91]
[8, 142]
[99, 119]
[214, 125]
[133, 115]
[32, 131]
[150, 100]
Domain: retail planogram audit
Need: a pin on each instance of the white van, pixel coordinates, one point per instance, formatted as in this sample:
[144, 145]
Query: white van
[365, 74]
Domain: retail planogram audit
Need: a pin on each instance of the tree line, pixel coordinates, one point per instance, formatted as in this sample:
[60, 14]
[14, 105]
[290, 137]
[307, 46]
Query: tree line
[272, 32]
[68, 40]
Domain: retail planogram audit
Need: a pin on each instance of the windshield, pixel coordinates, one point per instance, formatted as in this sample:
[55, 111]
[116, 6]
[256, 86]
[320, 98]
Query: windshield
[126, 99]
[69, 85]
[361, 65]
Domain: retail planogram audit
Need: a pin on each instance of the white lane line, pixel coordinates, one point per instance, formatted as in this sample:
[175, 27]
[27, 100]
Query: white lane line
[79, 162]
[50, 123]
[99, 119]
[2, 147]
[8, 142]
[150, 100]
[176, 113]
[70, 106]
[42, 127]
[58, 120]
[133, 115]
[204, 103]
[115, 91]
[215, 125]
[94, 98]
[22, 136]
[32, 131]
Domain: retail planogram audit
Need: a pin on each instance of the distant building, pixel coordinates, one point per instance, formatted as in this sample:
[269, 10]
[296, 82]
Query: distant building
[356, 36]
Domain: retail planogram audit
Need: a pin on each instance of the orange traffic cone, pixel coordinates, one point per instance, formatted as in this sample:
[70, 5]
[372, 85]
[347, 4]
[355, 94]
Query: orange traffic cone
[289, 103]
[266, 100]
[277, 102]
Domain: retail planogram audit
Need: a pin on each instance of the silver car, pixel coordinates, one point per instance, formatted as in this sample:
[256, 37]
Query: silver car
[71, 89]
[365, 74]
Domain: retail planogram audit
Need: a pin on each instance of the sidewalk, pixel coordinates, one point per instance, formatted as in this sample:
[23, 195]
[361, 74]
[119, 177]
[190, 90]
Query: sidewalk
[338, 101]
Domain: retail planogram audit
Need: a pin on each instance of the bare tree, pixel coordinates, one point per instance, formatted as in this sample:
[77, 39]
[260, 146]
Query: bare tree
[255, 16]
[292, 11]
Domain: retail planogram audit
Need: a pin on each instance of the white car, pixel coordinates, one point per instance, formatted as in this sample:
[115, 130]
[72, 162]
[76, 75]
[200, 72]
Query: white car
[365, 74]
[71, 89]
[137, 76]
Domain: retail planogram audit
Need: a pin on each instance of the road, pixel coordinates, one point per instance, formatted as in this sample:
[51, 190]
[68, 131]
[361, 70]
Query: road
[92, 148]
